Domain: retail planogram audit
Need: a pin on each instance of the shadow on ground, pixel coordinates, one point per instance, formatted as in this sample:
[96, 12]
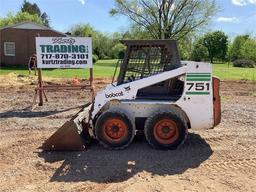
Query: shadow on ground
[100, 165]
[27, 113]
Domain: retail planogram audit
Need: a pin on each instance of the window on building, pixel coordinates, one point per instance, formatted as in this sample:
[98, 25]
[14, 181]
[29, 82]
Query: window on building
[9, 48]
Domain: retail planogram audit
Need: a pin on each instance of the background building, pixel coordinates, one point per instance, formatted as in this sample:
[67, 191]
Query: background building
[17, 42]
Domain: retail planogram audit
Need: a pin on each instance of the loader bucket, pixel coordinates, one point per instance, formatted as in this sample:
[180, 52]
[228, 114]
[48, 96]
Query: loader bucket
[71, 136]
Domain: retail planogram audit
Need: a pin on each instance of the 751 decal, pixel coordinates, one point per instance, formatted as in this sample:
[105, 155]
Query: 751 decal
[199, 86]
[194, 88]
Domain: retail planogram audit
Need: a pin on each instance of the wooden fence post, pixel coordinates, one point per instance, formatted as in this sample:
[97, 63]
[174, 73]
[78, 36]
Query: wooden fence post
[40, 87]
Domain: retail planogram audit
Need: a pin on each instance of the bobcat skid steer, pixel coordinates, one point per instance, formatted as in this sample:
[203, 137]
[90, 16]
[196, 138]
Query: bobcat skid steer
[155, 93]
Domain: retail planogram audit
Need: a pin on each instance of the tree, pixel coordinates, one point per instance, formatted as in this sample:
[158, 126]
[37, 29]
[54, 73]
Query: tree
[235, 49]
[200, 52]
[83, 30]
[248, 49]
[102, 43]
[135, 32]
[30, 8]
[11, 19]
[45, 19]
[216, 44]
[185, 46]
[165, 19]
[33, 9]
[117, 52]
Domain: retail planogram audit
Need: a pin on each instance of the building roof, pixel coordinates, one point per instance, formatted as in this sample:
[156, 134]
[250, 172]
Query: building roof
[30, 25]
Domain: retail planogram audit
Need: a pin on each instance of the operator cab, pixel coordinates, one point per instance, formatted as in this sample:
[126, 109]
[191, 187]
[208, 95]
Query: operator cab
[144, 58]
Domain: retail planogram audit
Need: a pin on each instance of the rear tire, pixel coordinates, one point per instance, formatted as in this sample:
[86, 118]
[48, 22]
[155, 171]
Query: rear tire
[114, 130]
[166, 129]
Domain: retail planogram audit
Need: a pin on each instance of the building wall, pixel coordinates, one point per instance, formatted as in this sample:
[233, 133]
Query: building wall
[25, 44]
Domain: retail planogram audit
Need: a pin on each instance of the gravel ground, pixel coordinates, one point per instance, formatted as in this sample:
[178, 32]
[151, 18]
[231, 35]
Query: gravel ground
[220, 159]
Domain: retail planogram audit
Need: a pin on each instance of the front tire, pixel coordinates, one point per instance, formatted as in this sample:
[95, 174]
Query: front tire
[114, 130]
[166, 129]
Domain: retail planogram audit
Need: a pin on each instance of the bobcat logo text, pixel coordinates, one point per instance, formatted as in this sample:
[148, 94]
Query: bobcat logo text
[119, 94]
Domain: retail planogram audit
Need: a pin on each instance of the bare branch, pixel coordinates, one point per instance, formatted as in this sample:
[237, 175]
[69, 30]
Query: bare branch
[167, 18]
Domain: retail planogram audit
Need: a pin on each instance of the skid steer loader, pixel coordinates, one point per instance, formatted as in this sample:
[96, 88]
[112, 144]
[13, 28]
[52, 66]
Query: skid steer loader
[155, 93]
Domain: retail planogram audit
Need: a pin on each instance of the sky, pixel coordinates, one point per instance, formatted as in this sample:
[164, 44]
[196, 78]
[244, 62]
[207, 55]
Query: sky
[235, 16]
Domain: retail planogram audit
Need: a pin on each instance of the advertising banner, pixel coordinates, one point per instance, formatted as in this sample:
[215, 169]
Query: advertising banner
[64, 52]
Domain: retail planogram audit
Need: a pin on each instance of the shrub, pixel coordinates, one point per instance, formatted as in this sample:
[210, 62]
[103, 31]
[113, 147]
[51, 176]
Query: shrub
[244, 63]
[95, 58]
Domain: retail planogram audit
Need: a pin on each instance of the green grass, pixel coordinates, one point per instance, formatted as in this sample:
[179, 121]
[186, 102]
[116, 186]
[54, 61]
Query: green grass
[225, 72]
[105, 68]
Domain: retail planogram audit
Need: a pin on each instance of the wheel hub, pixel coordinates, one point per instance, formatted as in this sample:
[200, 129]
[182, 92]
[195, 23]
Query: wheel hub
[115, 129]
[166, 131]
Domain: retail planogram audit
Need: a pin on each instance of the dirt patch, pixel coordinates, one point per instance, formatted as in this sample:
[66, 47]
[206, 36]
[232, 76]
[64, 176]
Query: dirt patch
[220, 159]
[16, 80]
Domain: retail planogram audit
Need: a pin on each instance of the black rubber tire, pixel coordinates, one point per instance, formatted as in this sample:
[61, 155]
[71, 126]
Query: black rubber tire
[99, 132]
[172, 114]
